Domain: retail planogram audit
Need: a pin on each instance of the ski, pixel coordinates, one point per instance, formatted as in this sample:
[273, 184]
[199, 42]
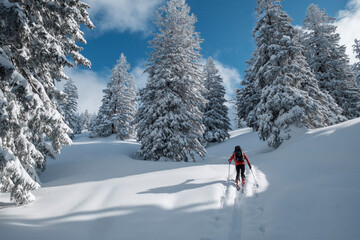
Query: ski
[240, 186]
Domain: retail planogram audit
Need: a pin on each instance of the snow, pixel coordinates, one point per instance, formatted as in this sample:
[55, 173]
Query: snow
[5, 63]
[308, 189]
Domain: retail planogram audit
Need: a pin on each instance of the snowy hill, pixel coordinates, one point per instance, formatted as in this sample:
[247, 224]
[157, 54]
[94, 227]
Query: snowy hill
[308, 189]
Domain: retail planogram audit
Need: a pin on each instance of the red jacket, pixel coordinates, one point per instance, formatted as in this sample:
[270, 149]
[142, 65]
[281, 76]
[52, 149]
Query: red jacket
[238, 162]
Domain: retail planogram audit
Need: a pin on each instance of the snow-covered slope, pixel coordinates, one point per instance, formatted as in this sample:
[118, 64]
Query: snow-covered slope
[308, 189]
[314, 185]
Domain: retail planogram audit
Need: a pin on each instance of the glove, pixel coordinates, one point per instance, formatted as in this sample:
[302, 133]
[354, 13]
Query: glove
[229, 161]
[250, 166]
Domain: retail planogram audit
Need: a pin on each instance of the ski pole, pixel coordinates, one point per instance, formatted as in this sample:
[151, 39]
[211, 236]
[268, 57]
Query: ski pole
[257, 185]
[229, 173]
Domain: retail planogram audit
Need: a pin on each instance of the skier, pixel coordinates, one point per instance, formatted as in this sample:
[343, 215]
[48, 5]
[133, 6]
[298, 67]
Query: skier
[239, 157]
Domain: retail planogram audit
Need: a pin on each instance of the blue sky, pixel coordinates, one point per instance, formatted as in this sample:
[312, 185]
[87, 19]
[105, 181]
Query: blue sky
[226, 27]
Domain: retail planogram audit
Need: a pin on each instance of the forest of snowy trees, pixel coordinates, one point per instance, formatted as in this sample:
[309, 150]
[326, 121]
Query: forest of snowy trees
[296, 77]
[356, 67]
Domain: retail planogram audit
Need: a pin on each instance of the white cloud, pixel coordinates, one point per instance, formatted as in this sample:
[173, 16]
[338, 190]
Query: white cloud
[90, 86]
[348, 26]
[122, 15]
[231, 78]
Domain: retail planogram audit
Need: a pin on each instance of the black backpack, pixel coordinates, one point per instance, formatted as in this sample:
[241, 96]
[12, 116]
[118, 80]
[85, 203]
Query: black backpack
[238, 154]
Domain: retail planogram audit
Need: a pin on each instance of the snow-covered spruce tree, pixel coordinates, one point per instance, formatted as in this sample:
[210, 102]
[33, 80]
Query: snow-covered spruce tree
[69, 107]
[92, 121]
[356, 67]
[289, 93]
[247, 99]
[103, 126]
[78, 124]
[329, 62]
[169, 120]
[123, 101]
[36, 38]
[85, 121]
[117, 113]
[215, 116]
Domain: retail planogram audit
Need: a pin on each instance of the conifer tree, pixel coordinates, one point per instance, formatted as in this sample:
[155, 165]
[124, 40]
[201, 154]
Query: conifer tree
[356, 67]
[279, 75]
[329, 62]
[216, 120]
[124, 100]
[116, 115]
[36, 40]
[69, 107]
[247, 99]
[92, 122]
[103, 126]
[85, 120]
[169, 120]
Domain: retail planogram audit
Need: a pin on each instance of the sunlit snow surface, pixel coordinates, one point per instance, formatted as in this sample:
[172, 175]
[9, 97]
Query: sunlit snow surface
[96, 189]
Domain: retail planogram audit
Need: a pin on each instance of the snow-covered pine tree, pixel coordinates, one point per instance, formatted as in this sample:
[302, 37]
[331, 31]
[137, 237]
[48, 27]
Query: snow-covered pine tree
[215, 116]
[92, 121]
[247, 99]
[84, 120]
[356, 67]
[69, 107]
[103, 126]
[78, 124]
[123, 101]
[329, 62]
[36, 38]
[290, 96]
[169, 120]
[117, 113]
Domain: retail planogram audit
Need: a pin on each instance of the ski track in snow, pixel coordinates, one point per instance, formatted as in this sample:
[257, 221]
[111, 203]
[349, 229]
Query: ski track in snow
[247, 214]
[242, 211]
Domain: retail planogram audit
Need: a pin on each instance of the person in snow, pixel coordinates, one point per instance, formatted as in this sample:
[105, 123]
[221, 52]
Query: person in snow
[239, 157]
